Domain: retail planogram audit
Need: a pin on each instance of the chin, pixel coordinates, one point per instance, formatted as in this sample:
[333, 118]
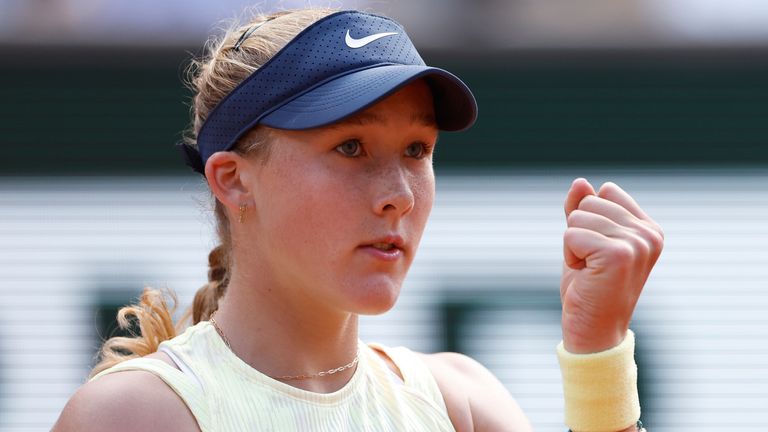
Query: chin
[374, 297]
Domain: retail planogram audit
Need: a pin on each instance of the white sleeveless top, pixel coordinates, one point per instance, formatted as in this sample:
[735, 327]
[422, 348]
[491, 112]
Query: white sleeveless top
[225, 394]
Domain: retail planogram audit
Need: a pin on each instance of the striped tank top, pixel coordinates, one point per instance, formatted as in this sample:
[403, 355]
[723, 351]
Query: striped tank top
[225, 394]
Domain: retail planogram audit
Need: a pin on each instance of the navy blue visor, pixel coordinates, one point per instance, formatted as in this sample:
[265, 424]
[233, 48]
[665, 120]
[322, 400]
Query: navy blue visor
[336, 67]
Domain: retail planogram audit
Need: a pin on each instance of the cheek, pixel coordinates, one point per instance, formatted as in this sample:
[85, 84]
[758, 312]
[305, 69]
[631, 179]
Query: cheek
[423, 188]
[311, 208]
[318, 214]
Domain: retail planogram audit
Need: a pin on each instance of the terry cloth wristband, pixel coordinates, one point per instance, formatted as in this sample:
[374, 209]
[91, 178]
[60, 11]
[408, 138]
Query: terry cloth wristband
[600, 389]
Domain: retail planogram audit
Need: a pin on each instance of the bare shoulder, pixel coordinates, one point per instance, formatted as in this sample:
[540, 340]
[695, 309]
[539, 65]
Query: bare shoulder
[475, 398]
[126, 401]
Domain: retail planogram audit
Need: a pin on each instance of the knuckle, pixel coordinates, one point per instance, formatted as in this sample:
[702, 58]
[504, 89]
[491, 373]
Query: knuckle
[608, 188]
[568, 234]
[571, 235]
[576, 217]
[586, 202]
[623, 251]
[652, 235]
[642, 247]
[657, 240]
[637, 244]
[653, 225]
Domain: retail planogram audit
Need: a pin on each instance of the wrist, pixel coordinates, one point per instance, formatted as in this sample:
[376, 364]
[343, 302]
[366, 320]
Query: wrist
[600, 389]
[593, 340]
[637, 427]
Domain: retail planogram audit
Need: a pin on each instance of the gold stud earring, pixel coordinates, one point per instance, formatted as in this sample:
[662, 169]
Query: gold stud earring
[241, 218]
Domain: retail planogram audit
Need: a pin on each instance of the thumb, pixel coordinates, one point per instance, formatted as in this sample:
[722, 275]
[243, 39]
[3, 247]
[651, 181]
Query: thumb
[579, 244]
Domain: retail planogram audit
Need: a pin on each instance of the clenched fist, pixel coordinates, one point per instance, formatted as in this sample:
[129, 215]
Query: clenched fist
[610, 247]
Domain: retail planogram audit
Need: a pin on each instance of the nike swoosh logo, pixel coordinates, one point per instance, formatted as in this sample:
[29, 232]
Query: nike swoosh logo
[359, 43]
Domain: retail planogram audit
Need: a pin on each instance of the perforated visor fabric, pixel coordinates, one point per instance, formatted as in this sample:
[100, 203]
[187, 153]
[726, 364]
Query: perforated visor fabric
[349, 94]
[318, 78]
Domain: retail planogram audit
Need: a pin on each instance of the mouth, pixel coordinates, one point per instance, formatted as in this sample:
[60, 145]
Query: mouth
[383, 246]
[388, 248]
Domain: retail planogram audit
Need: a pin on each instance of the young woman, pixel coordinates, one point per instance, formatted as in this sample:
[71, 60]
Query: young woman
[315, 130]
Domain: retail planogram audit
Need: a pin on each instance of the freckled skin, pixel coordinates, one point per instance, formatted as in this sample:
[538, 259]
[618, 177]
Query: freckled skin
[314, 206]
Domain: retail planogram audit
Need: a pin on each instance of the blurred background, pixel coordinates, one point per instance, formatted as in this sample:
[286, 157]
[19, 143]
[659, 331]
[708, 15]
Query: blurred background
[668, 98]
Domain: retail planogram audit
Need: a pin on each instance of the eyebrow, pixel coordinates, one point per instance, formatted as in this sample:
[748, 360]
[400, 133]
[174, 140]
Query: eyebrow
[364, 118]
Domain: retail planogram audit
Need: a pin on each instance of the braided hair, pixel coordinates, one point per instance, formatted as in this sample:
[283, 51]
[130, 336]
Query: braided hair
[228, 61]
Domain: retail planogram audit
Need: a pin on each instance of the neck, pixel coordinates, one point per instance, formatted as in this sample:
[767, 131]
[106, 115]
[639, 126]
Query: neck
[279, 336]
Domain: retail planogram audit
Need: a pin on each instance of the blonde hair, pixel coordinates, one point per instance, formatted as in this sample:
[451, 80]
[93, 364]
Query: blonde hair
[210, 78]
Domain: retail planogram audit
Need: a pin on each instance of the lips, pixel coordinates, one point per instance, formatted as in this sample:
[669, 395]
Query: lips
[387, 243]
[387, 248]
[383, 246]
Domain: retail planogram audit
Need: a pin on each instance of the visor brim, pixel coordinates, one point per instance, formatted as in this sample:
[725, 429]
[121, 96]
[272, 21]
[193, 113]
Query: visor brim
[341, 97]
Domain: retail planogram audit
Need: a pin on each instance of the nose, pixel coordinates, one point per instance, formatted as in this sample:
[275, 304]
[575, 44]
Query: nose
[393, 192]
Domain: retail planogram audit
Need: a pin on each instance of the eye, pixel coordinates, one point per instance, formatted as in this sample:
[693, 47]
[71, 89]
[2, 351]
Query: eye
[417, 150]
[351, 148]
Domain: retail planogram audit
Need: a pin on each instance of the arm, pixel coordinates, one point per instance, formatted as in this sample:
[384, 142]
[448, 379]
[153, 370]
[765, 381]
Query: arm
[125, 401]
[609, 248]
[475, 398]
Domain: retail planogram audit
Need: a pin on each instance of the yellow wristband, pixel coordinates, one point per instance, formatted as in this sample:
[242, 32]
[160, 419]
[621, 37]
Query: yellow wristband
[600, 389]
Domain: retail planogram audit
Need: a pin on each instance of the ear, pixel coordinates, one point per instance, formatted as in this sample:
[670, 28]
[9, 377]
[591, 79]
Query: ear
[229, 176]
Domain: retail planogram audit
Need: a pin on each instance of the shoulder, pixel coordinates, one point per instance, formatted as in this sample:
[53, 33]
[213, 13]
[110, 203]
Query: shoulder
[126, 401]
[475, 398]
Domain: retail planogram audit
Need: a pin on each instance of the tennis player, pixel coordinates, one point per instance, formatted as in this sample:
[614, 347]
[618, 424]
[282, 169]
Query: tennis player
[315, 130]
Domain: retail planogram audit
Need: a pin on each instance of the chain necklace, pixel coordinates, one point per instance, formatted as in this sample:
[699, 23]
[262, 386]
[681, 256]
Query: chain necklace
[289, 377]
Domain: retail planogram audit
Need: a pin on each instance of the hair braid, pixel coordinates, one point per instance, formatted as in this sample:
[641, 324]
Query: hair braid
[210, 78]
[206, 300]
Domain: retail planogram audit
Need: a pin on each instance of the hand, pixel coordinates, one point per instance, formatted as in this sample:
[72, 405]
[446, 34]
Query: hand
[610, 247]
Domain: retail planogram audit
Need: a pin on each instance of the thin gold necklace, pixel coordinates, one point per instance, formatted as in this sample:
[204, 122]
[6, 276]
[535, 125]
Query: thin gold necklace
[289, 377]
